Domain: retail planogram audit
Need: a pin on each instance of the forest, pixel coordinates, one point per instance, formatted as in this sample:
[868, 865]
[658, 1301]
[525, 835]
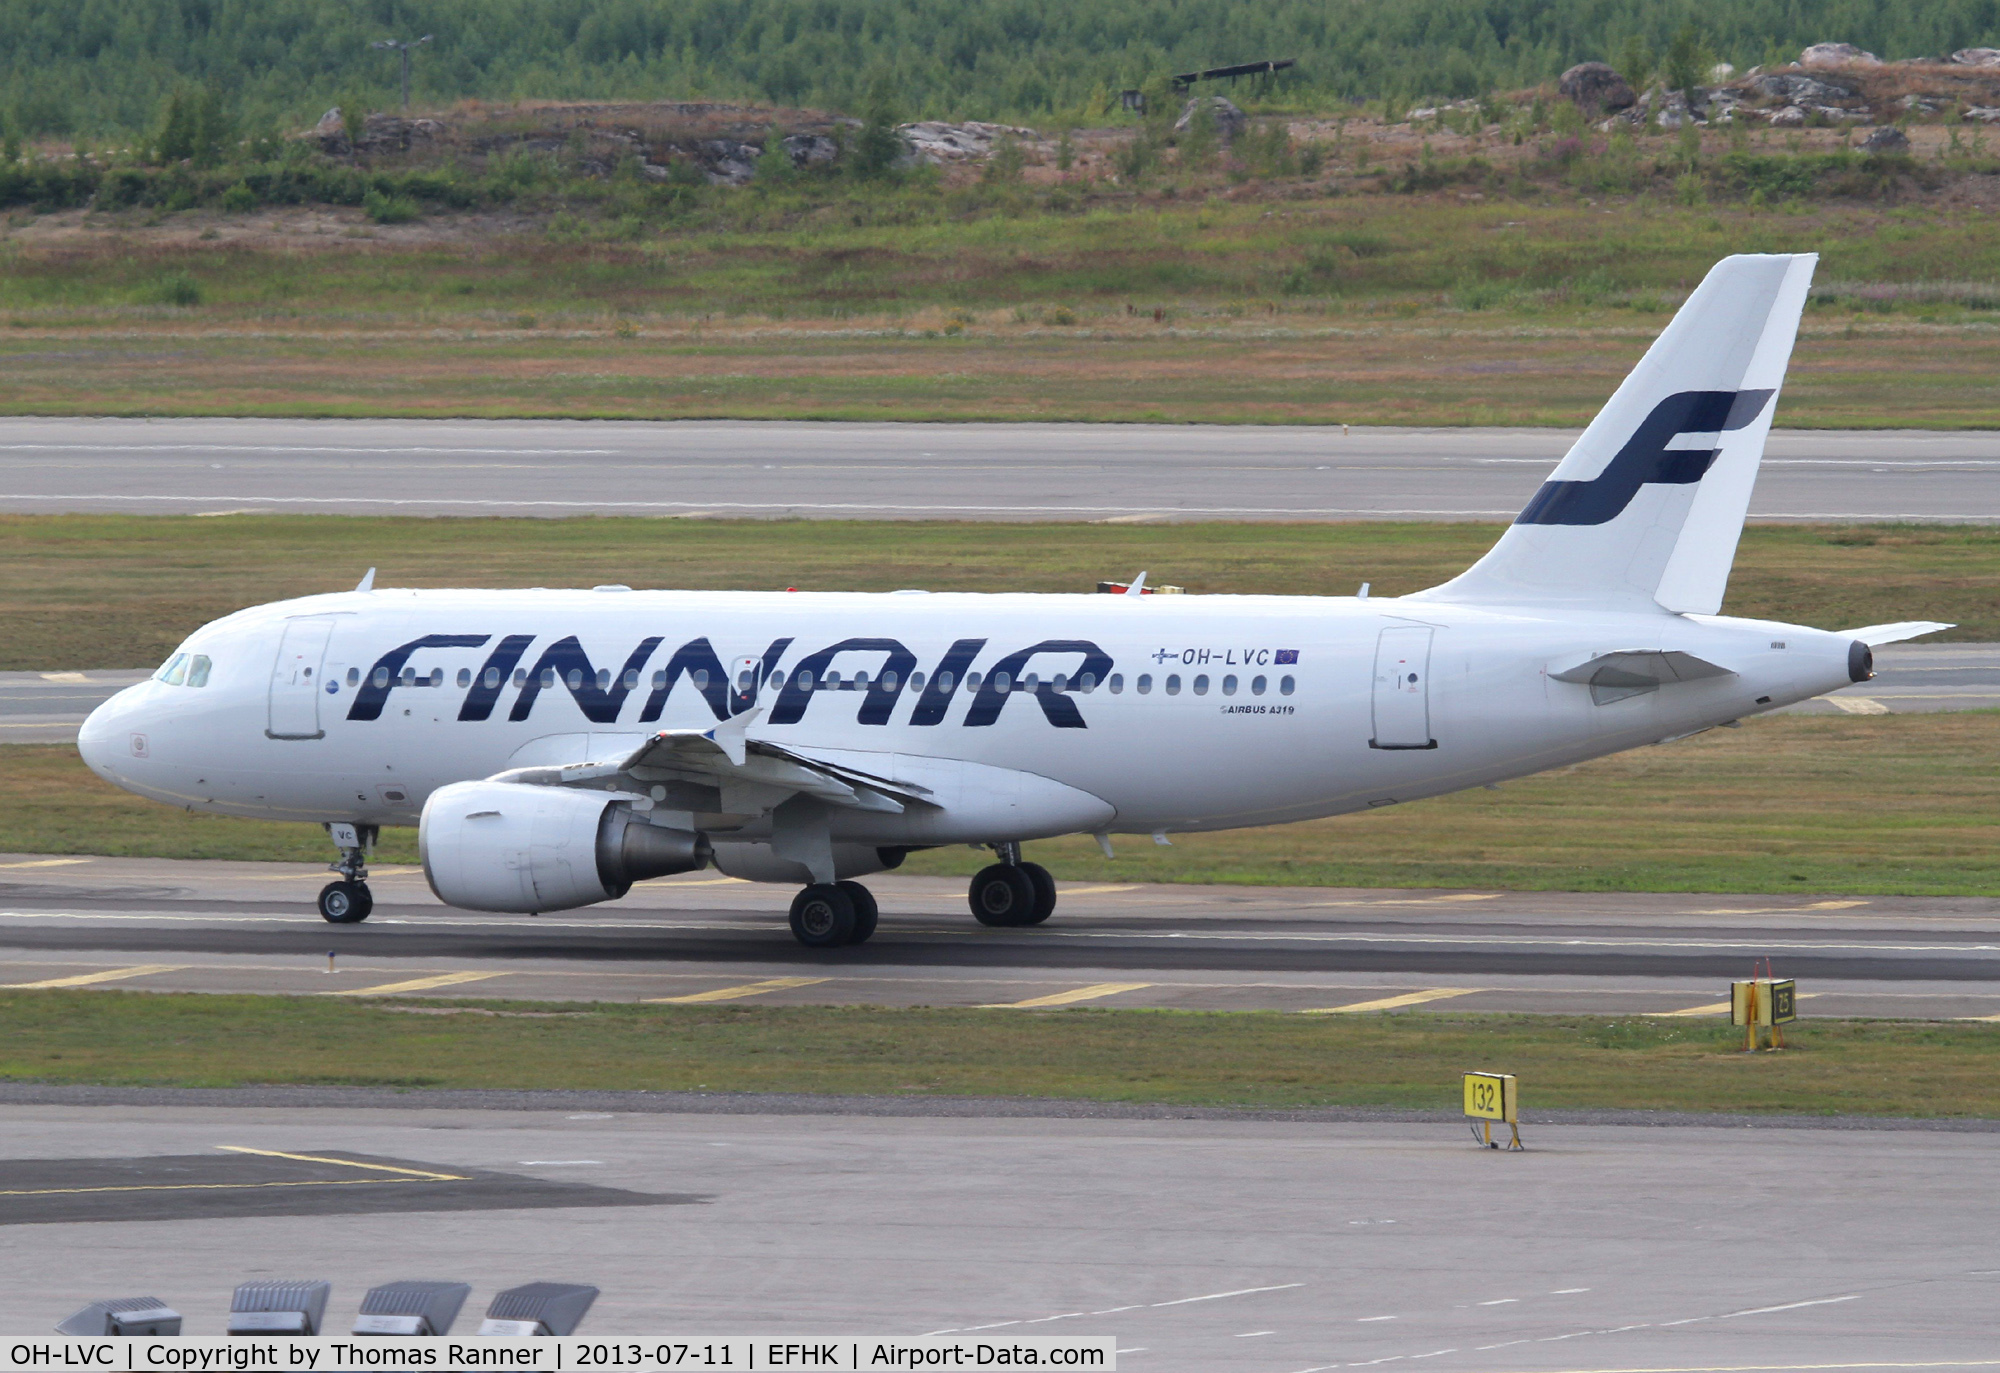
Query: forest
[101, 69]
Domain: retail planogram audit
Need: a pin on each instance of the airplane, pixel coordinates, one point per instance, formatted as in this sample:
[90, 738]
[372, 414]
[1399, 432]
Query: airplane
[554, 747]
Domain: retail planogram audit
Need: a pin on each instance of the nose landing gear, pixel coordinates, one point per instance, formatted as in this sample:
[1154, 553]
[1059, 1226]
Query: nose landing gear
[348, 901]
[1012, 892]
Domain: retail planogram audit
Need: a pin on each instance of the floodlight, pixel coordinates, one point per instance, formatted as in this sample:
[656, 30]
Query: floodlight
[279, 1307]
[538, 1308]
[124, 1316]
[411, 1308]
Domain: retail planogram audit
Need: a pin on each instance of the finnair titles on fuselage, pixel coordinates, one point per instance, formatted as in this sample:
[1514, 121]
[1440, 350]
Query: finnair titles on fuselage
[554, 747]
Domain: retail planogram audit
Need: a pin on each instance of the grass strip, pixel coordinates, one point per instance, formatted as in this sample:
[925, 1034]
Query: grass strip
[99, 591]
[1906, 804]
[1884, 1068]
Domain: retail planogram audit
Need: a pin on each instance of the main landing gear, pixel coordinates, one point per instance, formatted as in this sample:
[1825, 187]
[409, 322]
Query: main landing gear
[348, 901]
[1012, 892]
[828, 915]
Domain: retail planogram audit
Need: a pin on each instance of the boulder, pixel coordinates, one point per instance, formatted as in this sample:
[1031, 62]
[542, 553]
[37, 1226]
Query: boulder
[726, 162]
[1977, 57]
[1791, 117]
[1801, 89]
[1229, 121]
[1985, 114]
[934, 141]
[810, 149]
[1885, 139]
[331, 131]
[1837, 55]
[1596, 86]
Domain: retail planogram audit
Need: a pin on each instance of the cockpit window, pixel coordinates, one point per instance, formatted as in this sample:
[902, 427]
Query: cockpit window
[175, 672]
[198, 670]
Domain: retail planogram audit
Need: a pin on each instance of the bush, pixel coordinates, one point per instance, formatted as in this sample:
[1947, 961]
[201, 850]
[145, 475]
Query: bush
[389, 209]
[239, 199]
[176, 288]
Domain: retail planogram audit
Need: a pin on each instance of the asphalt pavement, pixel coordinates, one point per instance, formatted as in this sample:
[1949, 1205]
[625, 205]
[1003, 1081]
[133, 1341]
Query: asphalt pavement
[1254, 1246]
[130, 924]
[916, 471]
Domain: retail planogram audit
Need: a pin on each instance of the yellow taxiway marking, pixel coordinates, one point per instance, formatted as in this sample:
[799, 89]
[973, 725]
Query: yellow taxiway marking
[108, 975]
[418, 984]
[402, 1175]
[1071, 997]
[1783, 910]
[47, 863]
[774, 984]
[424, 1173]
[1857, 705]
[1389, 1003]
[1980, 1017]
[1722, 1007]
[1095, 891]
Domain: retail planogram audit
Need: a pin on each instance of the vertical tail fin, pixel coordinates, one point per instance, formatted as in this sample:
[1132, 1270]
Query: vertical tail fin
[1647, 506]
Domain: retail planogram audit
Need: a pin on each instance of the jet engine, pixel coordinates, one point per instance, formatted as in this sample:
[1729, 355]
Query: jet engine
[510, 846]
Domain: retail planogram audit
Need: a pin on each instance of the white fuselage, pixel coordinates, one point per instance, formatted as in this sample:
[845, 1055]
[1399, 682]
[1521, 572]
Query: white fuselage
[1255, 709]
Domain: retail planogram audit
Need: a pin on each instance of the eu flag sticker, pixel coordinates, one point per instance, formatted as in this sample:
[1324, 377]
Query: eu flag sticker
[1287, 655]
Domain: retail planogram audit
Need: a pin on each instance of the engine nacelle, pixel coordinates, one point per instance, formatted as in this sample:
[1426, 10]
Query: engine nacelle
[510, 846]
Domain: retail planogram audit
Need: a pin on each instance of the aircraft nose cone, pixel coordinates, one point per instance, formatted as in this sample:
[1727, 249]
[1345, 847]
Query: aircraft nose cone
[112, 732]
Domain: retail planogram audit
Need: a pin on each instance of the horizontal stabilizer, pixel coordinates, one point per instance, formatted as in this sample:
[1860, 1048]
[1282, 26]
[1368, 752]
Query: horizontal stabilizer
[1636, 671]
[1654, 664]
[1876, 635]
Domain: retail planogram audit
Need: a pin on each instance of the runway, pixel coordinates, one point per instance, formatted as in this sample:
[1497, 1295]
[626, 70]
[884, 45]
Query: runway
[48, 707]
[121, 924]
[915, 471]
[1255, 1246]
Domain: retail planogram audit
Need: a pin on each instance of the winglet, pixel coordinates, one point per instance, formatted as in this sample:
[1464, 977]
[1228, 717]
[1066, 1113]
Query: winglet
[732, 735]
[367, 583]
[1138, 587]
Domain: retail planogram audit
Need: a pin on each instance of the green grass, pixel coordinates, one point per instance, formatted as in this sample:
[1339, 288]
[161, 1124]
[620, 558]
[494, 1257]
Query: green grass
[1210, 1058]
[88, 591]
[1526, 307]
[1824, 805]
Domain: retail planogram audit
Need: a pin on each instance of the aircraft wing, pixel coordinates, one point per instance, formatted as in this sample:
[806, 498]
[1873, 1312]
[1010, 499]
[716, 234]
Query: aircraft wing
[1876, 635]
[749, 775]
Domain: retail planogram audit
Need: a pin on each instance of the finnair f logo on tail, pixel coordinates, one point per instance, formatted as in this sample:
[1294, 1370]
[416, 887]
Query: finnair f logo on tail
[1645, 460]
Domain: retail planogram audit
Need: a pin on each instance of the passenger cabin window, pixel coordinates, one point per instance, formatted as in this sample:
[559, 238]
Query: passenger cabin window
[354, 676]
[1257, 685]
[1201, 684]
[1173, 684]
[174, 672]
[971, 681]
[917, 681]
[1003, 681]
[1285, 686]
[198, 670]
[1117, 682]
[1145, 684]
[380, 678]
[1229, 685]
[465, 676]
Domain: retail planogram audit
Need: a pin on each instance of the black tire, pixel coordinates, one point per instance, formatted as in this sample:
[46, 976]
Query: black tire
[823, 916]
[1002, 895]
[865, 911]
[1045, 893]
[345, 903]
